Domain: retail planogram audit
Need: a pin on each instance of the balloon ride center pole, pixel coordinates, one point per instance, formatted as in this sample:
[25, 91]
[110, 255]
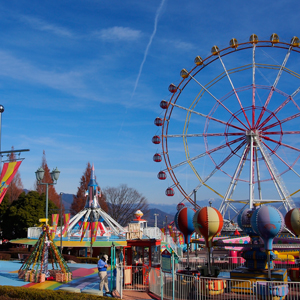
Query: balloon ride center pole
[195, 207]
[269, 267]
[208, 262]
[188, 257]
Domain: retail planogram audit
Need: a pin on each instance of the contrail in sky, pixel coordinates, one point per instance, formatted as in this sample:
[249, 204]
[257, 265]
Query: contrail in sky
[148, 46]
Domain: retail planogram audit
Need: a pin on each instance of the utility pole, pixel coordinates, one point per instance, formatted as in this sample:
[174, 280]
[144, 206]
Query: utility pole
[61, 222]
[195, 206]
[166, 227]
[155, 216]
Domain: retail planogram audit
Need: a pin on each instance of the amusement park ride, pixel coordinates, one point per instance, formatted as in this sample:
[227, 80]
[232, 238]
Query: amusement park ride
[231, 128]
[235, 126]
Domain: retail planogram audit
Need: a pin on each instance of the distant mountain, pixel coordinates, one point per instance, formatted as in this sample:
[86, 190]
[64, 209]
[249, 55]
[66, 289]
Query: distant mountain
[67, 200]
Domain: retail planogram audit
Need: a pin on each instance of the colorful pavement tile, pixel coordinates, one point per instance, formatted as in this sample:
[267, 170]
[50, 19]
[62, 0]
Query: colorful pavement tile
[85, 276]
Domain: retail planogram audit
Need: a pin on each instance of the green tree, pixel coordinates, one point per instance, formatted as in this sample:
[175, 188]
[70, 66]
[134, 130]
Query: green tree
[23, 213]
[3, 208]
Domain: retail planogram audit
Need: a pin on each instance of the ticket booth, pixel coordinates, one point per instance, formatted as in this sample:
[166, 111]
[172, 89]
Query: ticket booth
[139, 257]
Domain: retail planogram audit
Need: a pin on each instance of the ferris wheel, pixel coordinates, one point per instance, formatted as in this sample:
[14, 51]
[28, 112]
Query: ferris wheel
[231, 126]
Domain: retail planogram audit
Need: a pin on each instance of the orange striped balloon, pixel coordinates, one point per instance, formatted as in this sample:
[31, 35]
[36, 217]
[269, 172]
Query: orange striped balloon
[292, 221]
[209, 222]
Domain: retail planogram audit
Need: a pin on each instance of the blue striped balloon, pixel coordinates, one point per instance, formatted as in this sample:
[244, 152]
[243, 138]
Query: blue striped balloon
[184, 222]
[267, 221]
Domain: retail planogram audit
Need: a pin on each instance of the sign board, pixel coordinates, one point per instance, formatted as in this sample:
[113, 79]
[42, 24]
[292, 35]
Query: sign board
[166, 263]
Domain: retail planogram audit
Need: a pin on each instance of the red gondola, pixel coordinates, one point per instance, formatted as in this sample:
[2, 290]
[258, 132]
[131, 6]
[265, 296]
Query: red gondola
[156, 139]
[162, 175]
[158, 121]
[172, 88]
[164, 104]
[157, 157]
[170, 192]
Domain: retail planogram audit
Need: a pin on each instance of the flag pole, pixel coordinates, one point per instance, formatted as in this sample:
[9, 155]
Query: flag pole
[1, 111]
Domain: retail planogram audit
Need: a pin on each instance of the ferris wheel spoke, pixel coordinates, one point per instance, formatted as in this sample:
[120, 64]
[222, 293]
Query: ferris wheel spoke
[208, 117]
[258, 176]
[253, 85]
[234, 90]
[226, 144]
[222, 163]
[220, 102]
[282, 160]
[281, 121]
[280, 143]
[281, 132]
[205, 153]
[274, 85]
[204, 134]
[275, 176]
[275, 112]
[236, 174]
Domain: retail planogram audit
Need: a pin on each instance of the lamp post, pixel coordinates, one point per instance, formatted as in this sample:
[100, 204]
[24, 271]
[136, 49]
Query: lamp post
[61, 223]
[40, 176]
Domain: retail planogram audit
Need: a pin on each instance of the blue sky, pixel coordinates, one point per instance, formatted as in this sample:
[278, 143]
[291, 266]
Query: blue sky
[83, 80]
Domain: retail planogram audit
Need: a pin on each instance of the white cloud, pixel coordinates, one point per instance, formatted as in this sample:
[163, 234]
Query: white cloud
[44, 26]
[118, 34]
[13, 67]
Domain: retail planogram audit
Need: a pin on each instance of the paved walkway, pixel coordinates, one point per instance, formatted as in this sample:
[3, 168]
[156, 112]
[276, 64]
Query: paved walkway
[135, 295]
[84, 276]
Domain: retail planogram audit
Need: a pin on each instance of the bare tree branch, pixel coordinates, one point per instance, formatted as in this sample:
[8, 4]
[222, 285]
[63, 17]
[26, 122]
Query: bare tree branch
[123, 202]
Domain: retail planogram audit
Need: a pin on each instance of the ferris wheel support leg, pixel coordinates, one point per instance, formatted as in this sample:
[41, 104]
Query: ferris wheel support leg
[251, 174]
[258, 176]
[233, 182]
[283, 193]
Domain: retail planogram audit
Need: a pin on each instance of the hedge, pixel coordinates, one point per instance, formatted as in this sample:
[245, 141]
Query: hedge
[71, 257]
[9, 292]
[5, 256]
[88, 260]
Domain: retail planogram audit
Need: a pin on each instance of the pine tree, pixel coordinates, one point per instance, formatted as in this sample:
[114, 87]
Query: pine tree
[41, 188]
[16, 186]
[80, 198]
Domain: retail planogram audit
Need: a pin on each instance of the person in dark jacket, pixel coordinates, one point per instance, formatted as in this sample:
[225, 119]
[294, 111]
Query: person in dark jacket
[102, 271]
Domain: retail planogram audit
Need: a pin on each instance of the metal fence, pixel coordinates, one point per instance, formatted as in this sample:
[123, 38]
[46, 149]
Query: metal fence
[188, 287]
[223, 263]
[135, 278]
[181, 286]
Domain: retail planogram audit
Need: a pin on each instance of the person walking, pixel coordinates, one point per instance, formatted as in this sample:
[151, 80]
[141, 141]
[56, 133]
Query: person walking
[102, 271]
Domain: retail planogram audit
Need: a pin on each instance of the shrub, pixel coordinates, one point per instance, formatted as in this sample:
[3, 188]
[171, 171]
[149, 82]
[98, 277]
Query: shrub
[71, 257]
[88, 260]
[5, 256]
[18, 293]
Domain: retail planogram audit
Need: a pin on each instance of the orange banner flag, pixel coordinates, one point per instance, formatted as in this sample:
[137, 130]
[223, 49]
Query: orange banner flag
[55, 218]
[9, 170]
[66, 226]
[84, 227]
[94, 228]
